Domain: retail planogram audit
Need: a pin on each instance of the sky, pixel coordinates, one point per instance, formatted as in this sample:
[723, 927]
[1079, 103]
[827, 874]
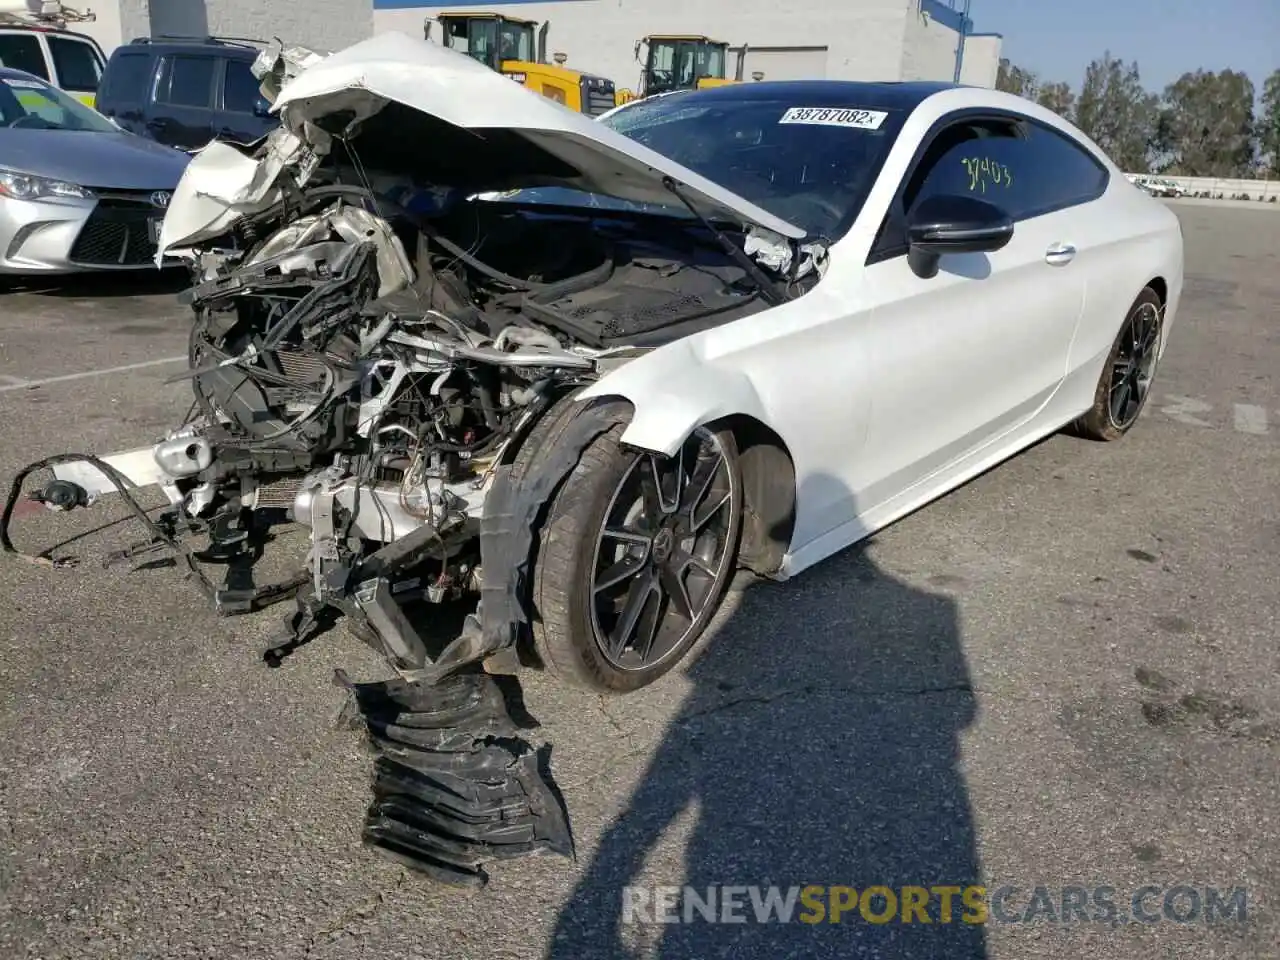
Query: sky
[1057, 40]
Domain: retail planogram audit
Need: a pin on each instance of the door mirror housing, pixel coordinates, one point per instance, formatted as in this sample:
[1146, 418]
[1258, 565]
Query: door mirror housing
[953, 224]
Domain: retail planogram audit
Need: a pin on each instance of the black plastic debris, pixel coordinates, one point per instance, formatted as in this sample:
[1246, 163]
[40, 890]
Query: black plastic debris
[454, 784]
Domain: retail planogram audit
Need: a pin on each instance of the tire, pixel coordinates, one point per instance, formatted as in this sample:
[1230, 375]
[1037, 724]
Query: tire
[571, 628]
[1111, 417]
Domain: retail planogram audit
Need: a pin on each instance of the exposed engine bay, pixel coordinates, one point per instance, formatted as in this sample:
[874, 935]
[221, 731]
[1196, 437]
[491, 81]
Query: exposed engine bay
[370, 355]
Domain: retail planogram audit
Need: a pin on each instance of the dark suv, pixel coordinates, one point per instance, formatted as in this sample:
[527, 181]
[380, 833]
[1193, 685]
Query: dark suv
[184, 92]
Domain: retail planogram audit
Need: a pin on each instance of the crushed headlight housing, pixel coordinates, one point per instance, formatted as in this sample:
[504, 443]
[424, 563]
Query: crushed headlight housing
[23, 186]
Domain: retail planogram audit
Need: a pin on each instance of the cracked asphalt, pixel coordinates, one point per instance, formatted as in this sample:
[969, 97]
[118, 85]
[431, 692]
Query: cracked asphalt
[1062, 675]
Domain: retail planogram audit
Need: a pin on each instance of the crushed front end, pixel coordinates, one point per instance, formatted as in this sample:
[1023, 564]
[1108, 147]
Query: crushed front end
[375, 349]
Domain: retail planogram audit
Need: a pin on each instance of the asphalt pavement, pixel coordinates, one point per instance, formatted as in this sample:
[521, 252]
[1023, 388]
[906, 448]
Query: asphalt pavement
[1063, 675]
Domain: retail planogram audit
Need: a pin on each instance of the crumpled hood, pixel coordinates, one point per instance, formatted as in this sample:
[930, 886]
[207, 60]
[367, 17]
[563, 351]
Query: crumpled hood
[579, 152]
[109, 161]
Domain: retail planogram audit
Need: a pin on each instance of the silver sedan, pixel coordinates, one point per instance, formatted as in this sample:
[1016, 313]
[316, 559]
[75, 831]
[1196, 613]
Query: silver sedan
[77, 193]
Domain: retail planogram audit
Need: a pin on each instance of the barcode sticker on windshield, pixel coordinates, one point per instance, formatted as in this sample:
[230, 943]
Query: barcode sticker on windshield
[835, 117]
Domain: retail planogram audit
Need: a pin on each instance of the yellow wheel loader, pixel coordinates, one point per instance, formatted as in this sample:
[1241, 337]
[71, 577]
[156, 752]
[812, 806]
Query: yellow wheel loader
[509, 46]
[682, 63]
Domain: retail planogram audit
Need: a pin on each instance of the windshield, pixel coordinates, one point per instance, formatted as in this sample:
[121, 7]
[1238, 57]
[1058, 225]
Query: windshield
[809, 164]
[27, 103]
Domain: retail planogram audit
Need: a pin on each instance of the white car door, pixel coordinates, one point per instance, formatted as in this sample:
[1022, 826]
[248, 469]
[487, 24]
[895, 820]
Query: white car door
[966, 356]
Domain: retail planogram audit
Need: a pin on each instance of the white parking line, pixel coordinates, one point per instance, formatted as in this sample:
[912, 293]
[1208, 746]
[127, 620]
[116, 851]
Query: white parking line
[86, 374]
[1245, 417]
[16, 381]
[1183, 409]
[1251, 419]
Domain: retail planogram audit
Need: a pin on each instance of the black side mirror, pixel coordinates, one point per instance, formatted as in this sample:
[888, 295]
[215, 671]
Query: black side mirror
[953, 224]
[261, 107]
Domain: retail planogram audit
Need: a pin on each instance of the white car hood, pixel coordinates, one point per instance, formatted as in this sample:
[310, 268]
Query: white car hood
[455, 88]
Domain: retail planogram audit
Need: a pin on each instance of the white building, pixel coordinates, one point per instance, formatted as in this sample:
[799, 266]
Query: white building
[323, 24]
[785, 39]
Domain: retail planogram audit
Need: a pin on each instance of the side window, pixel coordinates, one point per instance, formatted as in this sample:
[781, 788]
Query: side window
[240, 88]
[77, 64]
[21, 51]
[969, 158]
[1022, 167]
[1025, 168]
[128, 78]
[1076, 176]
[187, 81]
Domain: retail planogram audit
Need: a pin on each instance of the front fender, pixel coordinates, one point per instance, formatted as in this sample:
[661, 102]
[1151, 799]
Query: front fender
[673, 390]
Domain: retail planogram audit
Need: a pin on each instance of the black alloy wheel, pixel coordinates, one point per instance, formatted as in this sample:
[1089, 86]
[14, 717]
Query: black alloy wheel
[664, 552]
[1124, 384]
[635, 553]
[1134, 365]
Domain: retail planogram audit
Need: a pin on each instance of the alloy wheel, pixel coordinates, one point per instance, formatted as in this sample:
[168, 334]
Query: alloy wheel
[1134, 366]
[663, 553]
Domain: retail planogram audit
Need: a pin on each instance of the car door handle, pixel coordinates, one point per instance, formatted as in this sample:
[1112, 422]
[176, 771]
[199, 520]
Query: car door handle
[1060, 254]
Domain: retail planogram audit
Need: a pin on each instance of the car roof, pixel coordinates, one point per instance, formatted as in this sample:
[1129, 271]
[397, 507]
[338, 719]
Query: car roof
[903, 95]
[160, 45]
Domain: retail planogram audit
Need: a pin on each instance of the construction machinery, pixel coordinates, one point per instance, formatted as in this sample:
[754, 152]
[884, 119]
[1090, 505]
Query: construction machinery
[682, 63]
[518, 49]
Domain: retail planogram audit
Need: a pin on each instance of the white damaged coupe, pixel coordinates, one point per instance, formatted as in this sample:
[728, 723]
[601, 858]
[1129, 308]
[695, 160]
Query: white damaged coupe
[480, 345]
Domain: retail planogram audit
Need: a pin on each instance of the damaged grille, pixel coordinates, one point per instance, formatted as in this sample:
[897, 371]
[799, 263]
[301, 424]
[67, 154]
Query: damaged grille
[117, 232]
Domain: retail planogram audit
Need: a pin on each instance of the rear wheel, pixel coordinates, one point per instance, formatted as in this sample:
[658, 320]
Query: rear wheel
[1128, 373]
[635, 557]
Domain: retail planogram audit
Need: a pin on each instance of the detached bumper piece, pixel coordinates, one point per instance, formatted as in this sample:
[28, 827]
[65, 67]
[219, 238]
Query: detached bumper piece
[454, 784]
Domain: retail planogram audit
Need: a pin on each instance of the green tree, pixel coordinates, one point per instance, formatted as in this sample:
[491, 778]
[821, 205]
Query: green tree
[1117, 112]
[1210, 125]
[1058, 98]
[1269, 125]
[1013, 79]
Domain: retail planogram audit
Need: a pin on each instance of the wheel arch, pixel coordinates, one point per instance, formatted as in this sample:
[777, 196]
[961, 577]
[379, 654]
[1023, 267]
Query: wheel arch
[769, 492]
[719, 396]
[766, 463]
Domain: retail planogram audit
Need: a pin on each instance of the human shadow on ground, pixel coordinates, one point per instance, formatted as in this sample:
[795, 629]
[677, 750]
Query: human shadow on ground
[818, 747]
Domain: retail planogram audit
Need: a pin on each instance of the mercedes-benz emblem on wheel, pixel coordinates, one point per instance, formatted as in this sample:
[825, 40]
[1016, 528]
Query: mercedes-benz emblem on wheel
[161, 198]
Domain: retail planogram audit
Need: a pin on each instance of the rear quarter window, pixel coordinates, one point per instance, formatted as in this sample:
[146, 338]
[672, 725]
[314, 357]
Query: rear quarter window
[21, 51]
[77, 64]
[128, 78]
